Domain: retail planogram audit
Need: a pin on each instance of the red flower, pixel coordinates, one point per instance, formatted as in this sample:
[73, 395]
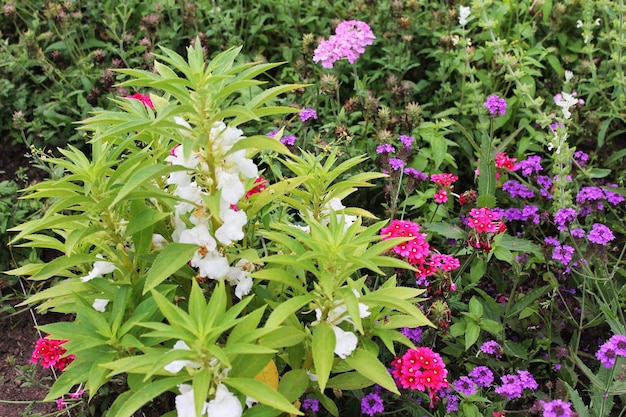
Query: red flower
[50, 352]
[260, 184]
[144, 98]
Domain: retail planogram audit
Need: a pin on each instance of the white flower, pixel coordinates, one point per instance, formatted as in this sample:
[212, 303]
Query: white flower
[579, 24]
[185, 405]
[345, 342]
[223, 137]
[464, 12]
[158, 241]
[176, 366]
[225, 404]
[177, 157]
[182, 122]
[250, 401]
[568, 75]
[231, 186]
[99, 304]
[213, 265]
[232, 226]
[597, 22]
[100, 268]
[238, 275]
[199, 235]
[565, 101]
[244, 165]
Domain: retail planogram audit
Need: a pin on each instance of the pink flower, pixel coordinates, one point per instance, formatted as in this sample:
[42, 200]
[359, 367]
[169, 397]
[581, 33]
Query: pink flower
[441, 196]
[60, 404]
[484, 220]
[144, 98]
[50, 353]
[420, 369]
[414, 250]
[349, 41]
[503, 161]
[445, 180]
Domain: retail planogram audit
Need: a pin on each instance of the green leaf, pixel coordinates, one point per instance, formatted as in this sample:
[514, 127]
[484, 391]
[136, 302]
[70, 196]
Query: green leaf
[472, 331]
[577, 401]
[262, 393]
[293, 383]
[143, 176]
[368, 365]
[323, 348]
[129, 402]
[349, 381]
[286, 309]
[170, 260]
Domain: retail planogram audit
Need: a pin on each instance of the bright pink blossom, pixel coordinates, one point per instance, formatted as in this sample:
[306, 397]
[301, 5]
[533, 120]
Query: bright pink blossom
[485, 220]
[50, 353]
[503, 161]
[420, 369]
[441, 196]
[349, 41]
[414, 250]
[144, 98]
[445, 180]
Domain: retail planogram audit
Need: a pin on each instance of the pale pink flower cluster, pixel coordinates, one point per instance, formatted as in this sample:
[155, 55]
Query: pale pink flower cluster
[349, 41]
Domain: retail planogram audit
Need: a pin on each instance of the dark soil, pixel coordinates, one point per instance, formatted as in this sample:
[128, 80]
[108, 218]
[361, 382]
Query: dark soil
[23, 385]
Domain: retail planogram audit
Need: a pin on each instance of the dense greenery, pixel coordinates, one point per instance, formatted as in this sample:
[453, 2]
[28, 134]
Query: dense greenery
[195, 223]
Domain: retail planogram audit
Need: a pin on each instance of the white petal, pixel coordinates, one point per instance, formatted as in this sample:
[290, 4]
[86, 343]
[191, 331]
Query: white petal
[99, 304]
[345, 342]
[225, 404]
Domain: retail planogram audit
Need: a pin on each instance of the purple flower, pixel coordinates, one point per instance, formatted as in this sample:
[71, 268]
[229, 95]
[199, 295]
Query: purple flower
[578, 233]
[288, 140]
[530, 165]
[581, 157]
[563, 253]
[512, 214]
[407, 141]
[531, 213]
[312, 404]
[414, 335]
[600, 234]
[512, 387]
[517, 190]
[496, 105]
[349, 41]
[385, 148]
[272, 134]
[564, 217]
[452, 404]
[396, 163]
[619, 343]
[527, 380]
[552, 241]
[545, 182]
[465, 386]
[492, 348]
[482, 376]
[307, 113]
[557, 408]
[418, 175]
[372, 404]
[556, 125]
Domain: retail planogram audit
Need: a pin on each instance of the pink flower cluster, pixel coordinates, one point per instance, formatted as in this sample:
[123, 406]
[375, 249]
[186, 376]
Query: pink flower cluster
[504, 162]
[420, 369]
[349, 41]
[50, 352]
[445, 181]
[485, 220]
[416, 251]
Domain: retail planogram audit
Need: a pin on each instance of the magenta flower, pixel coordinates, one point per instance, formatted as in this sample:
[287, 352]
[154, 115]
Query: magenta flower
[407, 141]
[396, 163]
[385, 148]
[441, 196]
[600, 234]
[557, 408]
[492, 348]
[288, 140]
[496, 105]
[144, 98]
[307, 114]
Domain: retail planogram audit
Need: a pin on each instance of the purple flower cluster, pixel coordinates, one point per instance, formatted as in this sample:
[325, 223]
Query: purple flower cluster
[611, 349]
[288, 140]
[564, 217]
[407, 141]
[545, 182]
[414, 335]
[349, 41]
[598, 195]
[312, 404]
[557, 408]
[307, 113]
[563, 253]
[530, 165]
[527, 213]
[465, 386]
[581, 158]
[482, 376]
[385, 148]
[418, 175]
[496, 105]
[517, 190]
[600, 234]
[492, 348]
[513, 385]
[396, 163]
[372, 404]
